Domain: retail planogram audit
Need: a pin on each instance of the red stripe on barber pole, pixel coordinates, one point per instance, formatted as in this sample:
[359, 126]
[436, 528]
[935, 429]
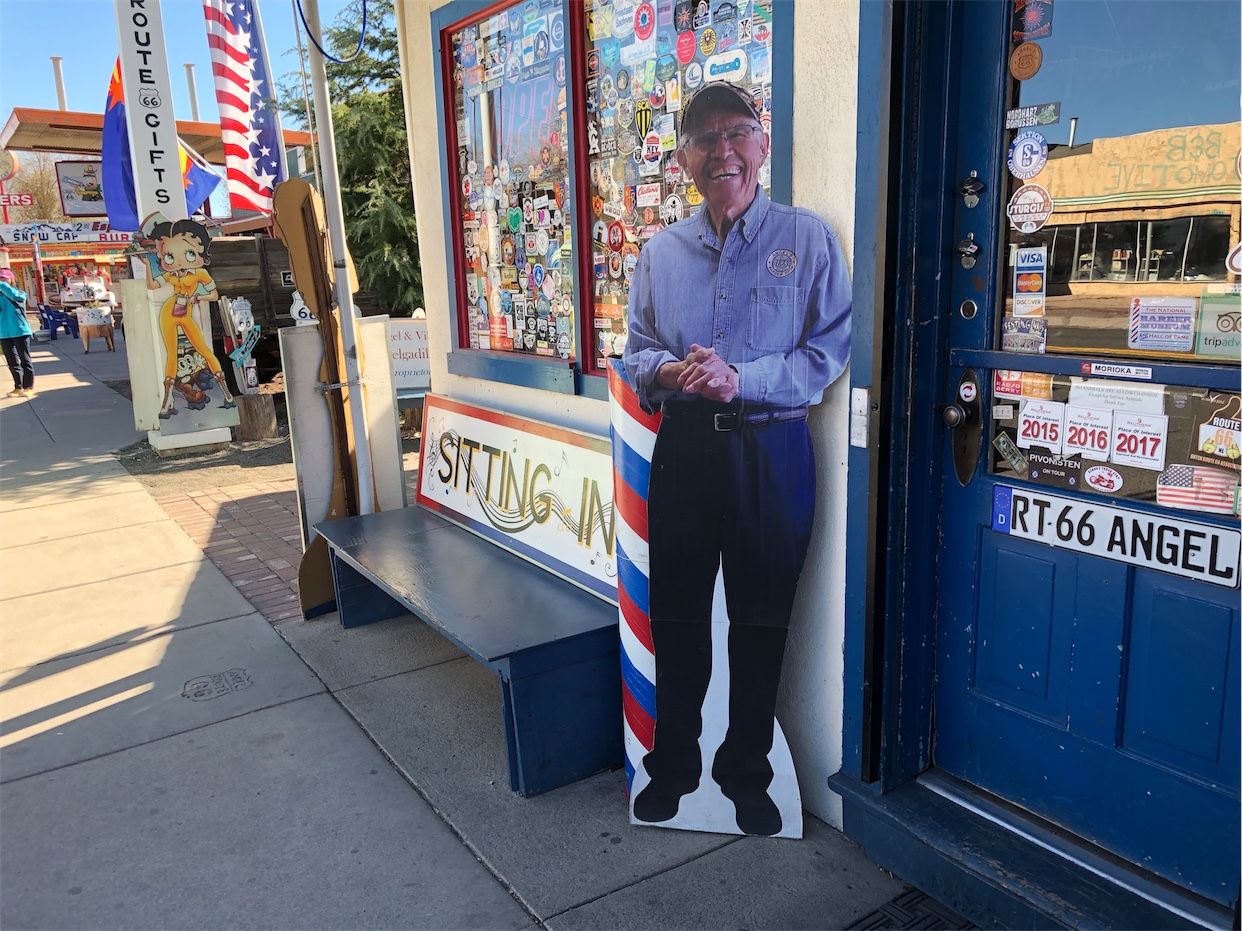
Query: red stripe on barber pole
[632, 409]
[639, 721]
[636, 620]
[630, 505]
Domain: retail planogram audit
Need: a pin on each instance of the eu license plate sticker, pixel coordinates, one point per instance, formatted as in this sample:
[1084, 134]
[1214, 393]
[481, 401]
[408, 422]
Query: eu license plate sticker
[1186, 548]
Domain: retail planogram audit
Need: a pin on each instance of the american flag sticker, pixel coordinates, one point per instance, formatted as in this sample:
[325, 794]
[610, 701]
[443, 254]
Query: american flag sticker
[1198, 488]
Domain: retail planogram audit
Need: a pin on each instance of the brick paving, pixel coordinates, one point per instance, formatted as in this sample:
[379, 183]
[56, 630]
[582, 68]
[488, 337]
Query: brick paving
[251, 533]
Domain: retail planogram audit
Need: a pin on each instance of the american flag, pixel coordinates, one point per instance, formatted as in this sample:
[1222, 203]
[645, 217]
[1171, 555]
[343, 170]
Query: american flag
[1197, 488]
[254, 151]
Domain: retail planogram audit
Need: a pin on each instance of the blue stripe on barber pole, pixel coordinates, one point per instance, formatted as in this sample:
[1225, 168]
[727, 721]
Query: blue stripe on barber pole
[636, 436]
[635, 583]
[633, 755]
[638, 655]
[642, 690]
[633, 469]
[634, 546]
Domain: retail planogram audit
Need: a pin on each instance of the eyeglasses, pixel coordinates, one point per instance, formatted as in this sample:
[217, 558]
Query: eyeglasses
[737, 136]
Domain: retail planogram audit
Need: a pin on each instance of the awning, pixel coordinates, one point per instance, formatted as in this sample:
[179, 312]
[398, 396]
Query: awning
[31, 130]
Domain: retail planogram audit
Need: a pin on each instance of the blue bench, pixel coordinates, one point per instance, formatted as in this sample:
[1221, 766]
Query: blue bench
[51, 320]
[554, 647]
[410, 397]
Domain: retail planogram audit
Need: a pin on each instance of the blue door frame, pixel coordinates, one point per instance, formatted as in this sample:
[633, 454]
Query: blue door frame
[904, 148]
[910, 65]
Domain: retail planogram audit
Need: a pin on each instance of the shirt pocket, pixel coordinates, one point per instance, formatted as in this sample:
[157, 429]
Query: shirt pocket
[776, 318]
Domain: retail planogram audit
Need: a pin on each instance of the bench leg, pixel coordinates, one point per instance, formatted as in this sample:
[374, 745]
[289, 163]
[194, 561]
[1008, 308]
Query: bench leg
[564, 724]
[358, 600]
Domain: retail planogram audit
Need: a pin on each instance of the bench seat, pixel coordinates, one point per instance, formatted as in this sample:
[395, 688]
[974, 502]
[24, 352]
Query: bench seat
[554, 647]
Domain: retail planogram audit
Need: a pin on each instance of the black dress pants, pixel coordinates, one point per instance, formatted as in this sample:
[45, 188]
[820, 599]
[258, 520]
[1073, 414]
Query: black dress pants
[743, 499]
[17, 355]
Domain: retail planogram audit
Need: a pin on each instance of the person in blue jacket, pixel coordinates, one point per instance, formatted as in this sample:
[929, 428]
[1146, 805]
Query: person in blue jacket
[15, 335]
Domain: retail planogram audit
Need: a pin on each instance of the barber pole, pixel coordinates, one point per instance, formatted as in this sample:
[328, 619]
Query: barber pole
[633, 434]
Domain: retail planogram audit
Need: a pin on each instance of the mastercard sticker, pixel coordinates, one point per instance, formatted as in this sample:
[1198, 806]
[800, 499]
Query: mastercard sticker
[1030, 276]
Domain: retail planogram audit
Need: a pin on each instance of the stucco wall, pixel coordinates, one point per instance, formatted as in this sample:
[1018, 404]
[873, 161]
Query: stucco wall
[825, 92]
[825, 107]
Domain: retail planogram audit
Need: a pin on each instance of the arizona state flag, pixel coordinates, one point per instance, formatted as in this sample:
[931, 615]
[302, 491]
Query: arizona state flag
[197, 180]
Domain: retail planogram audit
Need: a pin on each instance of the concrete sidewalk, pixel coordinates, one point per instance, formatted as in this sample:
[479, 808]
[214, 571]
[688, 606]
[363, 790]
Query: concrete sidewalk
[169, 759]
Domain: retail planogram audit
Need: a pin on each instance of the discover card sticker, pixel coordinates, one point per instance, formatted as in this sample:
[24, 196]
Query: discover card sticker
[1192, 550]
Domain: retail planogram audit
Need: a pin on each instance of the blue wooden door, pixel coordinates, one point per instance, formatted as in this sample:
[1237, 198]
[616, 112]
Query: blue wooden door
[1088, 606]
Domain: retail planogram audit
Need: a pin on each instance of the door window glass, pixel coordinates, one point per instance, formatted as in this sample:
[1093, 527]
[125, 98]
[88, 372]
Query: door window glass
[1175, 446]
[1122, 172]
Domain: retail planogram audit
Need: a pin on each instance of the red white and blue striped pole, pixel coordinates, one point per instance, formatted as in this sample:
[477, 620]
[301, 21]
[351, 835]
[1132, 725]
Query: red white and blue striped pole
[633, 439]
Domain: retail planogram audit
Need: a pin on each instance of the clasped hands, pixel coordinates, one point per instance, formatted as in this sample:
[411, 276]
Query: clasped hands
[703, 373]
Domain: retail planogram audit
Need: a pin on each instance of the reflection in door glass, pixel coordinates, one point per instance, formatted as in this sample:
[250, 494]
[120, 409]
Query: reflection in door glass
[1123, 172]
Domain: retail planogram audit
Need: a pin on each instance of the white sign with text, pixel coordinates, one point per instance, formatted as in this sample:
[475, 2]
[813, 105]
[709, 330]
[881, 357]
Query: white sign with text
[149, 109]
[411, 360]
[538, 490]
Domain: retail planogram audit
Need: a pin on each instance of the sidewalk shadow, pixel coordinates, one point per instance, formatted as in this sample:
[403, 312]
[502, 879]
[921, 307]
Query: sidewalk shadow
[112, 691]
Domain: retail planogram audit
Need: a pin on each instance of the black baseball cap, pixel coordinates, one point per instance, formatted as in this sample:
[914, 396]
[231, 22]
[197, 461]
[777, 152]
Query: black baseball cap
[717, 96]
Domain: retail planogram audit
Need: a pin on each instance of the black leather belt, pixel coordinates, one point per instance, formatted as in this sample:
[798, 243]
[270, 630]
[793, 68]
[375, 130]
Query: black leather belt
[726, 421]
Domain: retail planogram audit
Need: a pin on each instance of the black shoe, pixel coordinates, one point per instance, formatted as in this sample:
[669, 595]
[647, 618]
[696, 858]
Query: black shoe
[657, 803]
[757, 814]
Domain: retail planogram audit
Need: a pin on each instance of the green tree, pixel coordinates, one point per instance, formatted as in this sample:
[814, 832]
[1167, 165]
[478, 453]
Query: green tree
[373, 161]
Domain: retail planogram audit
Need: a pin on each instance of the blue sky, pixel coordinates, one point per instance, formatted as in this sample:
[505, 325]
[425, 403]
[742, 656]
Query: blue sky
[1130, 66]
[83, 33]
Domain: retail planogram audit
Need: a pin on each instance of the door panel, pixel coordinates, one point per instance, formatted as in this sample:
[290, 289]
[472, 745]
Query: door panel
[1023, 657]
[1096, 691]
[1181, 696]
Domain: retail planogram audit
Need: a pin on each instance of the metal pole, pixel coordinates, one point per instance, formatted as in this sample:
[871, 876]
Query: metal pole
[40, 291]
[310, 123]
[1181, 275]
[60, 83]
[189, 79]
[336, 237]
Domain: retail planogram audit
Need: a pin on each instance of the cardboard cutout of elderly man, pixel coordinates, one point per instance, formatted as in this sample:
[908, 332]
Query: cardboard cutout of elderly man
[739, 319]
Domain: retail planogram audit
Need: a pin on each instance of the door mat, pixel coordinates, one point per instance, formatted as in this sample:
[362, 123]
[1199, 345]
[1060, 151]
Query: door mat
[912, 909]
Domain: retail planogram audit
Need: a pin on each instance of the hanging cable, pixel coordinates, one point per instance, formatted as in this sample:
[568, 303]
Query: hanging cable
[310, 35]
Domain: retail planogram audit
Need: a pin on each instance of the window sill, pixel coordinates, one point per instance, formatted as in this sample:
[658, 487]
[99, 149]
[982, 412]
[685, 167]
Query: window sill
[528, 371]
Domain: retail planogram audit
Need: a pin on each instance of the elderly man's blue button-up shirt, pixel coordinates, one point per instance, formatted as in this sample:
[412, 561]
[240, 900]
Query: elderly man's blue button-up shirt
[774, 301]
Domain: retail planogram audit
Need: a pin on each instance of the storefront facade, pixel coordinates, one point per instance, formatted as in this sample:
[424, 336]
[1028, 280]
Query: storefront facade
[1045, 330]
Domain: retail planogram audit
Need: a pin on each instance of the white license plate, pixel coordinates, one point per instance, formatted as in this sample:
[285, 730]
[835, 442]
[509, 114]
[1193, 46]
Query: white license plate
[1166, 544]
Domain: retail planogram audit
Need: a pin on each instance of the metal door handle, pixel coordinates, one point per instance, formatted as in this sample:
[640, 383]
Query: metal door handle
[954, 415]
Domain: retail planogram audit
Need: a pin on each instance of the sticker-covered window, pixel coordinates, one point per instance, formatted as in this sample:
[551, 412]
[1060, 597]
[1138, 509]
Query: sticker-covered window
[1175, 446]
[643, 59]
[515, 263]
[1122, 158]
